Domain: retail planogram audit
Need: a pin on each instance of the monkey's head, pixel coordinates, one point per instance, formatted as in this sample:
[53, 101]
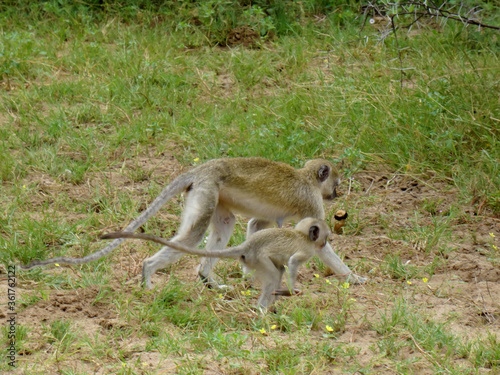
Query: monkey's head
[315, 229]
[326, 175]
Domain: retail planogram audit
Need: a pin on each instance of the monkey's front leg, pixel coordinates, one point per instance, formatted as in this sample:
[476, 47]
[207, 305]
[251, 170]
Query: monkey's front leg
[339, 268]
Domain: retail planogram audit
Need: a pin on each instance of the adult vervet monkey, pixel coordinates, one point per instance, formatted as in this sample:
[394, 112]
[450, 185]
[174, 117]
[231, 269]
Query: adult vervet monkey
[269, 192]
[268, 253]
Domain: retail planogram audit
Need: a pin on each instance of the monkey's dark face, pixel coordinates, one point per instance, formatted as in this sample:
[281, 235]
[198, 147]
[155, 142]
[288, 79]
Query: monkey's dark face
[331, 196]
[329, 186]
[326, 175]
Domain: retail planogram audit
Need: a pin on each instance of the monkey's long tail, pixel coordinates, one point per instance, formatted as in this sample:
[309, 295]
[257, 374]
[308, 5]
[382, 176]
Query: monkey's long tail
[231, 252]
[177, 186]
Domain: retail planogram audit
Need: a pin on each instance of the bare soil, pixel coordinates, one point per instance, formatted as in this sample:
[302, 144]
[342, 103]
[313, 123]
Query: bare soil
[464, 289]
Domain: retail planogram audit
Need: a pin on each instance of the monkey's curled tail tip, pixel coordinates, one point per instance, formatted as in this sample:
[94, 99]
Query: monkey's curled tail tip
[29, 266]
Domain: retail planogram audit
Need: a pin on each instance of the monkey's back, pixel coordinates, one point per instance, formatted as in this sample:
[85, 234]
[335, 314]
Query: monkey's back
[261, 188]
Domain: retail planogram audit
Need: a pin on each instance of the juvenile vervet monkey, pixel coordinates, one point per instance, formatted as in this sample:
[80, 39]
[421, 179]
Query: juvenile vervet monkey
[268, 253]
[269, 192]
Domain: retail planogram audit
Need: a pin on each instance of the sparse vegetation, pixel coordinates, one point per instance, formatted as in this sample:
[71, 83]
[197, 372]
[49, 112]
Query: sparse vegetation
[102, 103]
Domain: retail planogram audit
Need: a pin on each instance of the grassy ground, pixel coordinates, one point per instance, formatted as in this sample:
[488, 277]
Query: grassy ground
[101, 110]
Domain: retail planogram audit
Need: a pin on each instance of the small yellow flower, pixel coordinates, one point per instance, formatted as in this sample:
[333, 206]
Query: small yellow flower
[352, 299]
[494, 247]
[196, 159]
[273, 326]
[316, 275]
[245, 292]
[221, 296]
[24, 186]
[425, 279]
[56, 264]
[329, 329]
[492, 235]
[345, 286]
[408, 282]
[263, 331]
[328, 281]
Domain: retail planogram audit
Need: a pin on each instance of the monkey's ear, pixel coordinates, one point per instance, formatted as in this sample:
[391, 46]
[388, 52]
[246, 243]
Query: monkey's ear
[313, 233]
[323, 173]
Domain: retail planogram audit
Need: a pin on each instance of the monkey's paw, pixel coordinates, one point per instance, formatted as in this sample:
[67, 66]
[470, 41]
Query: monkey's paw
[212, 284]
[352, 278]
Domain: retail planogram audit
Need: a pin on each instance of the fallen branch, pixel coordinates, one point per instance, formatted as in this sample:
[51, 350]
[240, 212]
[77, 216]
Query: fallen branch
[425, 10]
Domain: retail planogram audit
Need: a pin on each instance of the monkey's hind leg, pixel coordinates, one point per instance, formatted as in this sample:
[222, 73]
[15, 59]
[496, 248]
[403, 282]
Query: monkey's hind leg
[161, 259]
[254, 225]
[200, 203]
[270, 278]
[339, 268]
[221, 228]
